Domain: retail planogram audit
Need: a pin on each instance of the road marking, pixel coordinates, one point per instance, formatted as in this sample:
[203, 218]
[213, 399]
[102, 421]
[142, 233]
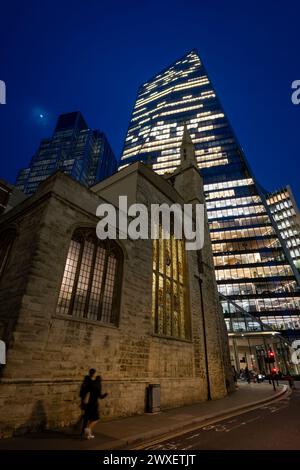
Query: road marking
[220, 428]
[243, 423]
[209, 427]
[275, 410]
[165, 438]
[253, 419]
[188, 447]
[192, 437]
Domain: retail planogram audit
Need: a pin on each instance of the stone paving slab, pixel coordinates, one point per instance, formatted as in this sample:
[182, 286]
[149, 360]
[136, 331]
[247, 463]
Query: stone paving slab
[135, 429]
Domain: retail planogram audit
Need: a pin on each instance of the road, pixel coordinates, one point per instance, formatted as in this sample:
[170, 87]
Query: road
[271, 427]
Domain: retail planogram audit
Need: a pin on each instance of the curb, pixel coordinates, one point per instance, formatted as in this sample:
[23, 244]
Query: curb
[199, 421]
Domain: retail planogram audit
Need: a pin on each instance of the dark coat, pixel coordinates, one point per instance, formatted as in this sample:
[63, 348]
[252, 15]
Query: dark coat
[94, 388]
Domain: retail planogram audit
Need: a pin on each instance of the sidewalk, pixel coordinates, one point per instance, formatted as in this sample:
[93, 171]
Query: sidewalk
[135, 429]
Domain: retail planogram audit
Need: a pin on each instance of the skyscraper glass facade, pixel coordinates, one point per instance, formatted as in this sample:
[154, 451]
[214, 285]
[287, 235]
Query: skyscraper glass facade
[286, 214]
[74, 149]
[253, 267]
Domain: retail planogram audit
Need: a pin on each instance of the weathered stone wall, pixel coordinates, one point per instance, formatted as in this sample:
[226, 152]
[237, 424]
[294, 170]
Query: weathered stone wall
[48, 354]
[189, 183]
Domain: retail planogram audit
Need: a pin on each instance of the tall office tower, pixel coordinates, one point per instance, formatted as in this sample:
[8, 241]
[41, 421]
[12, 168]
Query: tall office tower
[286, 214]
[75, 149]
[253, 268]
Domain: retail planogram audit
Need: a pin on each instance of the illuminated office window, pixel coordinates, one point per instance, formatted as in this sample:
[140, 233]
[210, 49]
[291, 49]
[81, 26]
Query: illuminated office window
[248, 255]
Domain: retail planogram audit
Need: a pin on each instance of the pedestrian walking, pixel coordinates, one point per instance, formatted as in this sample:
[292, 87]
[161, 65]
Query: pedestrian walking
[84, 396]
[235, 376]
[91, 392]
[276, 378]
[290, 379]
[247, 375]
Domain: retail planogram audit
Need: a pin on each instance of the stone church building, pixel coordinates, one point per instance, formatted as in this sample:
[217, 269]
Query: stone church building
[139, 311]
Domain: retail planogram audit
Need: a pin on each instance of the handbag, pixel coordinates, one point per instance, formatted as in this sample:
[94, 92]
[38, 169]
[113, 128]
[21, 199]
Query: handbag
[86, 398]
[84, 401]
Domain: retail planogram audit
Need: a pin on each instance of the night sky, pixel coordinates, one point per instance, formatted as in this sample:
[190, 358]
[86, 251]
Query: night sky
[61, 56]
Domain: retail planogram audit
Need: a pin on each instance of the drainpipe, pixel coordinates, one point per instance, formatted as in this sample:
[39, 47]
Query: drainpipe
[204, 338]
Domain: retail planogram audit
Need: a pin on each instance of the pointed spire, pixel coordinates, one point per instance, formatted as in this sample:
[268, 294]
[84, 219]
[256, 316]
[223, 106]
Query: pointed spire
[187, 149]
[186, 137]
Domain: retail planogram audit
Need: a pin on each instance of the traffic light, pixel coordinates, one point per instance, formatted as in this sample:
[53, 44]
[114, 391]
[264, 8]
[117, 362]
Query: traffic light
[270, 358]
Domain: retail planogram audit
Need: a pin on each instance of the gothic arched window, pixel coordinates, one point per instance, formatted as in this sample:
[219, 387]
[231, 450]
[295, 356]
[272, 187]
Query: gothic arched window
[91, 283]
[170, 312]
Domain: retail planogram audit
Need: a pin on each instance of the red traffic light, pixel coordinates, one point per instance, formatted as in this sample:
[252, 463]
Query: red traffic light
[271, 357]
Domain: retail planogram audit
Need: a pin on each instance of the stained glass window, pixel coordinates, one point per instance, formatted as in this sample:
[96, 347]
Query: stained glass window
[169, 289]
[91, 281]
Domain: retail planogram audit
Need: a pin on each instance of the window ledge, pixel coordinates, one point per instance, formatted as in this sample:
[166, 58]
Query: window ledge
[84, 320]
[172, 338]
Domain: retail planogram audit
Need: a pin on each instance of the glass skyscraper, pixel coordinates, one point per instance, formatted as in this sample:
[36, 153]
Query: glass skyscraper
[75, 149]
[254, 268]
[286, 214]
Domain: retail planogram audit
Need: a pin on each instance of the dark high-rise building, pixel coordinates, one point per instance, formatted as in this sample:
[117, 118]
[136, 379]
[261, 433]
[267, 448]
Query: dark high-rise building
[253, 266]
[75, 149]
